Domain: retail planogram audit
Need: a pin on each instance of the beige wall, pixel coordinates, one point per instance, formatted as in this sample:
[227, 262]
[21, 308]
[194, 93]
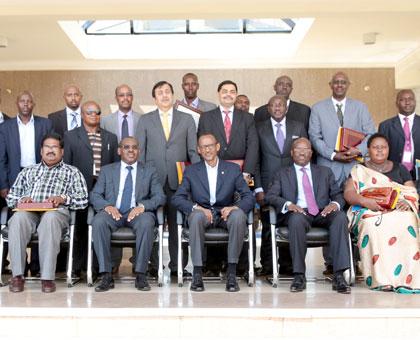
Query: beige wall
[375, 87]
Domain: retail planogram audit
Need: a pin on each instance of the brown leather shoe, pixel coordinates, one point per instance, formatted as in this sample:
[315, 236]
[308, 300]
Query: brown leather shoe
[48, 286]
[16, 284]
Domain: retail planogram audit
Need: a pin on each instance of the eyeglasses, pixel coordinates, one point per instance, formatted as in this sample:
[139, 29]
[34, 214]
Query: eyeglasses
[302, 149]
[91, 112]
[51, 147]
[128, 147]
[208, 146]
[339, 82]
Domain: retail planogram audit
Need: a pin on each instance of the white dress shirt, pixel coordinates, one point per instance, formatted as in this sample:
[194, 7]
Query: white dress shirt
[123, 175]
[69, 115]
[27, 142]
[1, 117]
[230, 113]
[212, 177]
[408, 156]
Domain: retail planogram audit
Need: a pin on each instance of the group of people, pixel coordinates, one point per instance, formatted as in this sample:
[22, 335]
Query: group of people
[125, 165]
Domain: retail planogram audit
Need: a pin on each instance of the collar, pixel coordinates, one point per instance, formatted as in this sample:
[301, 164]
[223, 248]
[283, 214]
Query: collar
[335, 102]
[31, 121]
[170, 111]
[70, 111]
[212, 167]
[298, 167]
[282, 122]
[194, 103]
[124, 165]
[410, 117]
[230, 109]
[122, 114]
[57, 165]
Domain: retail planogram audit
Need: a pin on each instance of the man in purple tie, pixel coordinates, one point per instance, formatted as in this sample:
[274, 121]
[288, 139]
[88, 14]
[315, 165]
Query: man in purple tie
[404, 131]
[304, 196]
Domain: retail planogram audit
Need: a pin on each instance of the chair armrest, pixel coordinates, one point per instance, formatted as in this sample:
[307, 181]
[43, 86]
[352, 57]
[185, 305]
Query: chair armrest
[179, 217]
[160, 216]
[251, 217]
[273, 215]
[72, 217]
[91, 213]
[3, 217]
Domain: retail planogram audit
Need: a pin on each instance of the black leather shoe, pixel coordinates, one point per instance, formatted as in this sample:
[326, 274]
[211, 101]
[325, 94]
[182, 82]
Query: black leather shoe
[107, 283]
[264, 271]
[298, 284]
[185, 274]
[153, 272]
[197, 284]
[340, 284]
[232, 284]
[142, 283]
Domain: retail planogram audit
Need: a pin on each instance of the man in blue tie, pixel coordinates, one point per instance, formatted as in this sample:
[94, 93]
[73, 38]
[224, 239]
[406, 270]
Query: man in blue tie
[304, 196]
[127, 193]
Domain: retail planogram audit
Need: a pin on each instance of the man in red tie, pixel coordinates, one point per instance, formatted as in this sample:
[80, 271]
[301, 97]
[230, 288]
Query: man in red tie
[404, 132]
[236, 133]
[304, 196]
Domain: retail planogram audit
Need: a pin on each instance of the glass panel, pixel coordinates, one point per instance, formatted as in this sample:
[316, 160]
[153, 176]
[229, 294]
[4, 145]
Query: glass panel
[159, 26]
[216, 26]
[109, 27]
[269, 25]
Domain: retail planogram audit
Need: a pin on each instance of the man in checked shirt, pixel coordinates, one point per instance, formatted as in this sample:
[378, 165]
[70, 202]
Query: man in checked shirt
[54, 181]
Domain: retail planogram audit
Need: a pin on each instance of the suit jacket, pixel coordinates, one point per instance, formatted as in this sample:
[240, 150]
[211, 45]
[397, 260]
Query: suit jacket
[148, 190]
[323, 129]
[195, 188]
[393, 130]
[243, 142]
[10, 148]
[204, 106]
[110, 123]
[270, 157]
[59, 121]
[285, 187]
[181, 146]
[78, 151]
[296, 111]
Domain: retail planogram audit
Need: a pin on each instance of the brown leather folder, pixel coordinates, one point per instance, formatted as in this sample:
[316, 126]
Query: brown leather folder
[386, 197]
[347, 138]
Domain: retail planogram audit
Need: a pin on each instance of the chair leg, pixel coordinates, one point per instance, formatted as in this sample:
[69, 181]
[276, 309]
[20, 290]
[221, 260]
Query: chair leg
[160, 269]
[70, 257]
[350, 274]
[89, 259]
[250, 255]
[274, 256]
[1, 260]
[180, 270]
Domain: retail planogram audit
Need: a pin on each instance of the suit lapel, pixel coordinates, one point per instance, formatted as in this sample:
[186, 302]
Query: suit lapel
[15, 133]
[271, 140]
[293, 181]
[315, 173]
[416, 126]
[175, 121]
[220, 177]
[289, 134]
[218, 122]
[139, 182]
[158, 124]
[236, 120]
[202, 175]
[115, 124]
[84, 137]
[396, 124]
[116, 177]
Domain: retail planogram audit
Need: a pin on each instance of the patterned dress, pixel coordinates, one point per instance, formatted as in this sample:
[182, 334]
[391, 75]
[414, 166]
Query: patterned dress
[388, 241]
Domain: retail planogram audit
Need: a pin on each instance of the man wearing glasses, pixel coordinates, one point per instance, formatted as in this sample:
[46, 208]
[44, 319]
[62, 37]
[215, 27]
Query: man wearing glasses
[88, 148]
[127, 193]
[207, 196]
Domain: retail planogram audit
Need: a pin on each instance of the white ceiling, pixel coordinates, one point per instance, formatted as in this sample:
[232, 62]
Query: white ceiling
[335, 39]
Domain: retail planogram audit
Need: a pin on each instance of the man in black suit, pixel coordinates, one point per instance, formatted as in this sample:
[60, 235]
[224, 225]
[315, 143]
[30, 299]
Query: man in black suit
[207, 196]
[275, 139]
[69, 118]
[242, 103]
[404, 132]
[296, 111]
[3, 116]
[236, 133]
[88, 148]
[306, 195]
[20, 146]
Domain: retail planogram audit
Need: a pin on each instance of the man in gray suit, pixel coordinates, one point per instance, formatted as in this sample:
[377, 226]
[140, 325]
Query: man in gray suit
[167, 136]
[331, 113]
[190, 86]
[127, 193]
[123, 122]
[275, 139]
[326, 117]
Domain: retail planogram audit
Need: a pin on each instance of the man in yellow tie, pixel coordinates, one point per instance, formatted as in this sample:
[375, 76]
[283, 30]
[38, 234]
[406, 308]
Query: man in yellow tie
[167, 136]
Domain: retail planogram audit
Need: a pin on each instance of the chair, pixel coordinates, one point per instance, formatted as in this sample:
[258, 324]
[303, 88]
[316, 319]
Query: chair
[67, 239]
[215, 236]
[316, 237]
[125, 237]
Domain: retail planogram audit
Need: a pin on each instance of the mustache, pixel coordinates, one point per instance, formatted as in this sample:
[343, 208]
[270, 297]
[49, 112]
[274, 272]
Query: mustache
[51, 153]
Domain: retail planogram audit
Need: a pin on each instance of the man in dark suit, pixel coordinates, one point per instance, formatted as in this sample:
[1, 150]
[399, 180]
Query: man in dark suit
[127, 193]
[296, 111]
[236, 133]
[20, 146]
[207, 196]
[242, 103]
[88, 148]
[404, 132]
[190, 86]
[69, 118]
[3, 116]
[275, 139]
[306, 195]
[167, 136]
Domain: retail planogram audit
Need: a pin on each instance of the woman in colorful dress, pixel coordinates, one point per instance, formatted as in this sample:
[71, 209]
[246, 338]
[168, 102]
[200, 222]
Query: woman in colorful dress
[388, 239]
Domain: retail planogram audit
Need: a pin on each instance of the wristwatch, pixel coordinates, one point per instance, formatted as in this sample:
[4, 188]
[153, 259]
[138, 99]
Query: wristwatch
[64, 197]
[194, 207]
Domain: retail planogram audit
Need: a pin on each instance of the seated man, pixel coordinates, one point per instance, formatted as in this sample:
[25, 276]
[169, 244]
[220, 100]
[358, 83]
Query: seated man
[306, 195]
[127, 193]
[49, 181]
[207, 195]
